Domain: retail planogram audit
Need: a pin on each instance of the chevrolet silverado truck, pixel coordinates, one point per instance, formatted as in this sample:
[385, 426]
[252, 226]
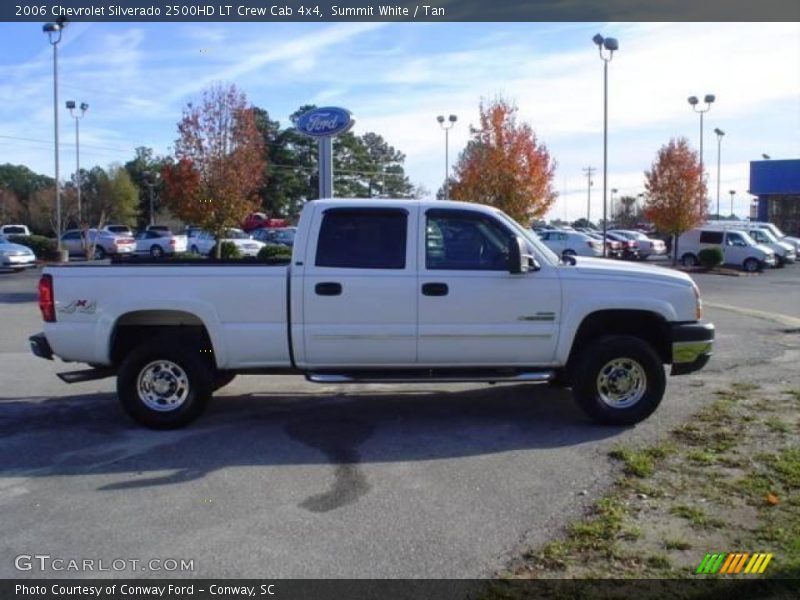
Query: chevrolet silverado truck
[389, 291]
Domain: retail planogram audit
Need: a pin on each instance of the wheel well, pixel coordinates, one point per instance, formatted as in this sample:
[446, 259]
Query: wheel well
[643, 324]
[135, 328]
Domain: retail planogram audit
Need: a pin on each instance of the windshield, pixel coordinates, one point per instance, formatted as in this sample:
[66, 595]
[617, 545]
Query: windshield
[529, 236]
[236, 234]
[763, 236]
[774, 230]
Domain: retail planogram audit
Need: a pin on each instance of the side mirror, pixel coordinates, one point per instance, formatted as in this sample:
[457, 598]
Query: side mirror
[518, 260]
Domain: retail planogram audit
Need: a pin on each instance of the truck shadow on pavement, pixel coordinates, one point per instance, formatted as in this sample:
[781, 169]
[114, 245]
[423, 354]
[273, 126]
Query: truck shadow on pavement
[89, 434]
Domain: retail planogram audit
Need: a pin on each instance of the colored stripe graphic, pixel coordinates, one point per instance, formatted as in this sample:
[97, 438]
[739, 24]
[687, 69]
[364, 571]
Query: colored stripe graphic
[732, 564]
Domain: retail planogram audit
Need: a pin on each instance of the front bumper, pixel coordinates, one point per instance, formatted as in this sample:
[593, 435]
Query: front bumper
[18, 260]
[692, 346]
[40, 346]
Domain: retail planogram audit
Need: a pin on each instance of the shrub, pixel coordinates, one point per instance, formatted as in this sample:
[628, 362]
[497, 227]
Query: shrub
[710, 257]
[271, 253]
[43, 247]
[229, 251]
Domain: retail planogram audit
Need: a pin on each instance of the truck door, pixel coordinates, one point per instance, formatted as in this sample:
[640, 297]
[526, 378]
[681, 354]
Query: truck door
[359, 289]
[472, 311]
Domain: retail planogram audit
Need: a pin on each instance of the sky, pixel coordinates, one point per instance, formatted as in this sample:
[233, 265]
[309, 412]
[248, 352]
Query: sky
[397, 77]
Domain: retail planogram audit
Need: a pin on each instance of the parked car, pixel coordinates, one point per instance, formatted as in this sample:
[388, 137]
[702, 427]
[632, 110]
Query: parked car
[105, 243]
[159, 243]
[365, 299]
[192, 230]
[647, 246]
[282, 237]
[784, 251]
[204, 242]
[163, 228]
[572, 243]
[738, 248]
[775, 230]
[15, 230]
[613, 247]
[15, 256]
[259, 220]
[630, 248]
[123, 230]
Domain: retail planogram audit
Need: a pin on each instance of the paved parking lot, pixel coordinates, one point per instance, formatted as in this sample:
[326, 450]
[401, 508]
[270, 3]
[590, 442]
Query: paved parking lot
[282, 478]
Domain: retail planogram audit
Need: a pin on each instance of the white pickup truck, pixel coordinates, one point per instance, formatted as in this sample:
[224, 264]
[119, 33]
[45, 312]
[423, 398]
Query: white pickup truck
[395, 291]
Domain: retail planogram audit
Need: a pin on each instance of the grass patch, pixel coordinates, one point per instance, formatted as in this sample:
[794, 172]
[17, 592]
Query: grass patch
[776, 424]
[670, 544]
[642, 463]
[658, 561]
[696, 516]
[702, 457]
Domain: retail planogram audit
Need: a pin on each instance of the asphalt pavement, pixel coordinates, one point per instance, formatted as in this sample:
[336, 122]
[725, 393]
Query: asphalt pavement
[282, 478]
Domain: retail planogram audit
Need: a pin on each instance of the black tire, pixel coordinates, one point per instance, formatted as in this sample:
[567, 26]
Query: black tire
[597, 358]
[752, 265]
[156, 251]
[99, 252]
[194, 249]
[781, 262]
[195, 389]
[689, 260]
[568, 252]
[221, 379]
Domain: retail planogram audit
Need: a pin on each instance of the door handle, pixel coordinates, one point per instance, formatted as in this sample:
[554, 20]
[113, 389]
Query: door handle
[328, 288]
[434, 289]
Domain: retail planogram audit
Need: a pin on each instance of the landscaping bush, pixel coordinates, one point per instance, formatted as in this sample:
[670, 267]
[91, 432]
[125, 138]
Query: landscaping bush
[710, 257]
[43, 247]
[273, 253]
[229, 250]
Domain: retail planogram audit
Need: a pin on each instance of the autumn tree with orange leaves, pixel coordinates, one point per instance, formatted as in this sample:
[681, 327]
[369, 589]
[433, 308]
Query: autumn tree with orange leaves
[676, 191]
[219, 164]
[504, 165]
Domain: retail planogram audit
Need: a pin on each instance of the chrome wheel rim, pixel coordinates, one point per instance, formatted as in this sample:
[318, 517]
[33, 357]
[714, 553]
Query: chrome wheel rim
[621, 383]
[750, 265]
[163, 386]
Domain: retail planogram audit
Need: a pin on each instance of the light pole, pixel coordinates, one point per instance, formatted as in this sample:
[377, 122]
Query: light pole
[709, 100]
[452, 121]
[720, 134]
[53, 31]
[610, 45]
[150, 179]
[732, 193]
[77, 116]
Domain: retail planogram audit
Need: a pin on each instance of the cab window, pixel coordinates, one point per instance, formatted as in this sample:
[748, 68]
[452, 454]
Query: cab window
[465, 240]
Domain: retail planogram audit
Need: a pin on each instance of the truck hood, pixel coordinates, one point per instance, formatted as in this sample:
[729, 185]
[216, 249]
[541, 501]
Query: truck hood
[588, 267]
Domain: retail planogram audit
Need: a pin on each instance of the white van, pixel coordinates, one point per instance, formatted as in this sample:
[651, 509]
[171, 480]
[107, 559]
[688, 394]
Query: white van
[784, 251]
[738, 248]
[782, 237]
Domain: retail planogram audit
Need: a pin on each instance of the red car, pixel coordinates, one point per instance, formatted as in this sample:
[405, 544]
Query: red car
[258, 220]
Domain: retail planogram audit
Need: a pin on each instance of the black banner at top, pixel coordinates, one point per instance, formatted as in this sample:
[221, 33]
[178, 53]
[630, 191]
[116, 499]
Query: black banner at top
[400, 10]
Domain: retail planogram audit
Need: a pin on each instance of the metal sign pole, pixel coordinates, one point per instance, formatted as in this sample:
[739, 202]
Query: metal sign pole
[325, 167]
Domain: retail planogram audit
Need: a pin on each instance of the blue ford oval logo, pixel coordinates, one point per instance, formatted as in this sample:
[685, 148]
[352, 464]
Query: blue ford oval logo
[325, 122]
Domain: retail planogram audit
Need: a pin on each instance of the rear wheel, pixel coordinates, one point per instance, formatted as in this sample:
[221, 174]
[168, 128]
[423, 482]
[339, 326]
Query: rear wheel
[156, 251]
[618, 380]
[689, 260]
[751, 265]
[163, 384]
[99, 252]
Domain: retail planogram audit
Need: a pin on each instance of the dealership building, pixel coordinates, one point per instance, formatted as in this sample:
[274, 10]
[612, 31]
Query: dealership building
[777, 185]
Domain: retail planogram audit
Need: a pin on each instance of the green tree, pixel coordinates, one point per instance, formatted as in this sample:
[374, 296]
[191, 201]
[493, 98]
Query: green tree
[18, 185]
[141, 169]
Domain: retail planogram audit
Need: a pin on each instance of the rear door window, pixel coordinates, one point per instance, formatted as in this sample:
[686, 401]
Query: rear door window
[711, 237]
[363, 238]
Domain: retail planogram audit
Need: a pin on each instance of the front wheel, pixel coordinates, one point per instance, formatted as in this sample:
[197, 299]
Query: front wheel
[751, 265]
[194, 249]
[156, 251]
[568, 252]
[689, 260]
[163, 384]
[618, 380]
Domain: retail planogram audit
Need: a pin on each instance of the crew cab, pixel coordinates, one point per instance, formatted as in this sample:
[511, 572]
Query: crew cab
[393, 291]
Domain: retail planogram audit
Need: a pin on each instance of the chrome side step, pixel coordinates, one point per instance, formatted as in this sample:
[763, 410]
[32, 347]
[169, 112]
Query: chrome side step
[87, 374]
[432, 377]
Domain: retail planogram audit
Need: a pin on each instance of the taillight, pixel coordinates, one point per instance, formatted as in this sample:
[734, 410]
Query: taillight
[172, 241]
[46, 300]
